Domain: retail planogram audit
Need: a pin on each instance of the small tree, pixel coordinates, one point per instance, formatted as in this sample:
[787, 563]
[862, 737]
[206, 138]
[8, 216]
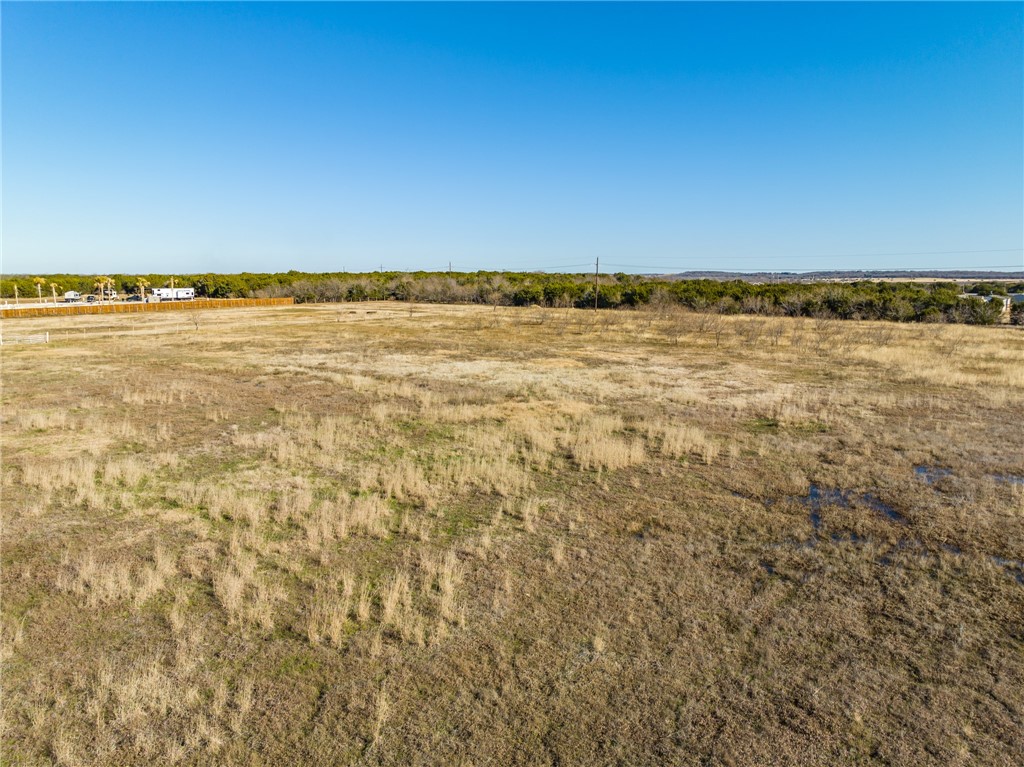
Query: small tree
[39, 281]
[100, 286]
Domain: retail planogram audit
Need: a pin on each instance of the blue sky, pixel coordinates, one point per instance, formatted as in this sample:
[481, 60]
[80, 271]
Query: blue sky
[233, 137]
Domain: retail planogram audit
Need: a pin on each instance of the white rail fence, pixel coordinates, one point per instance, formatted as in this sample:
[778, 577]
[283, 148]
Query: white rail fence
[38, 338]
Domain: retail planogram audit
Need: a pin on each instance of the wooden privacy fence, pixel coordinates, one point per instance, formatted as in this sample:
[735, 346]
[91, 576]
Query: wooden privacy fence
[163, 306]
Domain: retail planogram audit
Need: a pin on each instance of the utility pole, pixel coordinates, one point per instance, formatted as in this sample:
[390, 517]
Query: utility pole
[597, 269]
[449, 268]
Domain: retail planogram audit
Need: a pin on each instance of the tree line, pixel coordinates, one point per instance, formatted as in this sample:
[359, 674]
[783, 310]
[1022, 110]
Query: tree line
[867, 299]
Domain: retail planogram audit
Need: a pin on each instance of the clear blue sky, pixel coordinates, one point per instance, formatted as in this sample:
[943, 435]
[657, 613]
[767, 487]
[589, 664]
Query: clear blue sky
[263, 137]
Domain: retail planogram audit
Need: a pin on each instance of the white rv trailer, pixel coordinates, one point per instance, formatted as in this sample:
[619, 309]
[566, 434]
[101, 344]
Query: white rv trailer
[174, 294]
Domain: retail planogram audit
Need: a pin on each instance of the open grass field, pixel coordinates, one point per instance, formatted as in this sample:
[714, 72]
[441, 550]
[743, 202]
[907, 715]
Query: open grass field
[389, 535]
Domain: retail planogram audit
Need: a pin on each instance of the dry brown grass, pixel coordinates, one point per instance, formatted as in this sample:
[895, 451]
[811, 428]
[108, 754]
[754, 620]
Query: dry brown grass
[354, 535]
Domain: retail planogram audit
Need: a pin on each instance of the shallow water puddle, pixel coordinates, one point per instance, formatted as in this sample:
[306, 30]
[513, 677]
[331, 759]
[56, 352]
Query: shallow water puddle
[883, 508]
[815, 520]
[1010, 479]
[817, 497]
[1014, 567]
[850, 537]
[931, 474]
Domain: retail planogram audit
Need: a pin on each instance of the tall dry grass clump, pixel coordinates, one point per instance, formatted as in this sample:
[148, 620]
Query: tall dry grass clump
[246, 596]
[329, 613]
[128, 471]
[42, 420]
[78, 474]
[497, 472]
[371, 515]
[594, 444]
[406, 482]
[680, 441]
[103, 582]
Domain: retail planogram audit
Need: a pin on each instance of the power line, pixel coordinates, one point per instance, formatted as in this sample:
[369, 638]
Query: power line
[540, 268]
[546, 266]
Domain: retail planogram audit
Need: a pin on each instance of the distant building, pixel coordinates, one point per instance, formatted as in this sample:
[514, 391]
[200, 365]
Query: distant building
[1005, 302]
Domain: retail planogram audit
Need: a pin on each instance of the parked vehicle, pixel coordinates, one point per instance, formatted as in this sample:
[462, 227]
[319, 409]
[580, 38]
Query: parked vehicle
[174, 294]
[90, 299]
[134, 298]
[72, 296]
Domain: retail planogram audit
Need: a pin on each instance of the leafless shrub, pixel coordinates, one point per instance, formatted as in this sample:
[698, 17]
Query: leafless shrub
[826, 332]
[713, 324]
[881, 333]
[774, 330]
[750, 331]
[953, 342]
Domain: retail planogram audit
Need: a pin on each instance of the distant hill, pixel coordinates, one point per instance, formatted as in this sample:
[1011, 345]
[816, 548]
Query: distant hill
[846, 275]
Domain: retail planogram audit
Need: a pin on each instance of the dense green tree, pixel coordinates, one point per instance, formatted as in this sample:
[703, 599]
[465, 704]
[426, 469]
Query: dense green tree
[863, 299]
